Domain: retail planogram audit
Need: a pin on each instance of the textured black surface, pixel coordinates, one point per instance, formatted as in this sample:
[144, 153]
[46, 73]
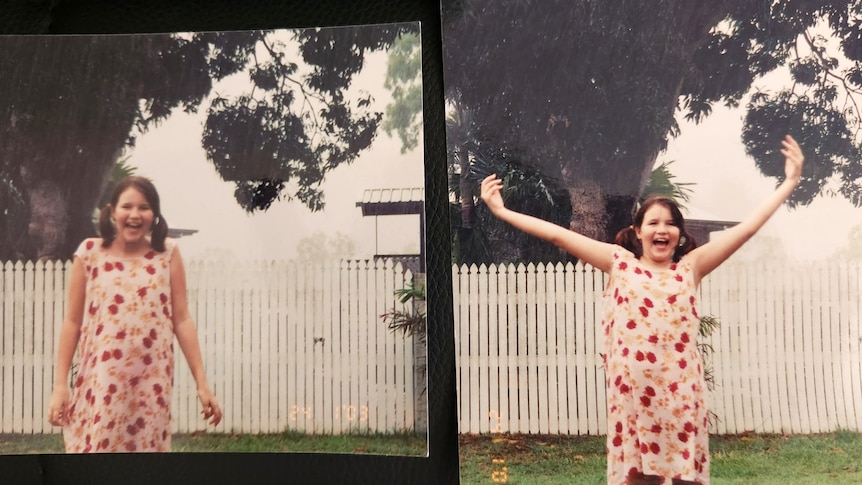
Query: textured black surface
[25, 16]
[136, 16]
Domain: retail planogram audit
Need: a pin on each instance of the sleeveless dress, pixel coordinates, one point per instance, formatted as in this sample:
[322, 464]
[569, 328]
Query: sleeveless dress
[657, 417]
[122, 382]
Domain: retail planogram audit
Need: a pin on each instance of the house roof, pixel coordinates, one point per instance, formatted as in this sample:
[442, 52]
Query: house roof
[178, 233]
[701, 229]
[391, 201]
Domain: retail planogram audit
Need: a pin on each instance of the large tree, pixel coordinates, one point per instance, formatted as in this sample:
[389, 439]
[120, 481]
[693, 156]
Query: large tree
[71, 105]
[588, 91]
[404, 81]
[322, 248]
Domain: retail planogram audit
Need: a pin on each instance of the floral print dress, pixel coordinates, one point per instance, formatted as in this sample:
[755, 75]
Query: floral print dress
[121, 389]
[657, 418]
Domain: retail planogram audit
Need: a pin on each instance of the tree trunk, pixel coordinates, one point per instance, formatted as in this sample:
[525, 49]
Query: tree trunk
[49, 218]
[588, 214]
[583, 89]
[71, 106]
[597, 214]
[467, 204]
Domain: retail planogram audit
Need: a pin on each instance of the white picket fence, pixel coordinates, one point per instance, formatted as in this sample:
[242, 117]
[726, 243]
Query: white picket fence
[786, 356]
[286, 347]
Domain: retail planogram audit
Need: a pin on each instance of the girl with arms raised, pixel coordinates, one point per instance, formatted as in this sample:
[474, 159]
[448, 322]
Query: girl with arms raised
[657, 417]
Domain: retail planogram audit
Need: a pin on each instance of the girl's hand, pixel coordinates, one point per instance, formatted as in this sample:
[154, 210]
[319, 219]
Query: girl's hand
[211, 410]
[491, 188]
[58, 406]
[793, 159]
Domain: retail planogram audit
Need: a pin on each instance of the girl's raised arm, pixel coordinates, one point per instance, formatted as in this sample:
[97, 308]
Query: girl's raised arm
[596, 253]
[707, 257]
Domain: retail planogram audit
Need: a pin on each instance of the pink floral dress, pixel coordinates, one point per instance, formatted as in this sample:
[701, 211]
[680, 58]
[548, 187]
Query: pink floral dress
[122, 383]
[657, 418]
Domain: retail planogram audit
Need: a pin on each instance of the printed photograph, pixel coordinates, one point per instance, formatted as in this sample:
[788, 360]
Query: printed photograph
[655, 213]
[213, 241]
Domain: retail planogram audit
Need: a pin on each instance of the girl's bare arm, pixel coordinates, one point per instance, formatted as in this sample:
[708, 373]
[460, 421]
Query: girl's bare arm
[596, 253]
[709, 256]
[70, 332]
[187, 337]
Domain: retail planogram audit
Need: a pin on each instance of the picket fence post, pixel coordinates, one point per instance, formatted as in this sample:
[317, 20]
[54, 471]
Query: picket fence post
[287, 346]
[786, 356]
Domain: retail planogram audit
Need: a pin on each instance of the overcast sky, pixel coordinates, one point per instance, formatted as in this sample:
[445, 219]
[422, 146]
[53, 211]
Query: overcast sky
[710, 155]
[729, 186]
[194, 197]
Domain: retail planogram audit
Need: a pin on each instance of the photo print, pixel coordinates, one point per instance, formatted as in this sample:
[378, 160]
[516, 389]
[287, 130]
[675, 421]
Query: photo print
[353, 464]
[290, 170]
[583, 110]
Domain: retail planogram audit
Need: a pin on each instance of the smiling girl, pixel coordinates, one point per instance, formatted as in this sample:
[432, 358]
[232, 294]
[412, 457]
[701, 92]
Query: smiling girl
[127, 302]
[657, 417]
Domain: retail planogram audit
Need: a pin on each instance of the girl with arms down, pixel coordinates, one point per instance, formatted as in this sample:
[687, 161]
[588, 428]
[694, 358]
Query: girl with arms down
[127, 302]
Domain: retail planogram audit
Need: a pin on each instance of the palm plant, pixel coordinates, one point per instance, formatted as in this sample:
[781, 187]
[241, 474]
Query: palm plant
[412, 322]
[479, 237]
[661, 182]
[409, 322]
[119, 171]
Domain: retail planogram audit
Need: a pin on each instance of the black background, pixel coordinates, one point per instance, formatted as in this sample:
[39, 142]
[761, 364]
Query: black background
[142, 16]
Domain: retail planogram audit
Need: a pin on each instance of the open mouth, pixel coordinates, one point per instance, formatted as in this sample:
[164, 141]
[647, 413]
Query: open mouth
[661, 243]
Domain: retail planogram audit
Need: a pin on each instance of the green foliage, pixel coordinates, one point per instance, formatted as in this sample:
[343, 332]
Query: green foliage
[73, 103]
[91, 96]
[407, 321]
[525, 189]
[587, 92]
[279, 141]
[832, 156]
[662, 182]
[119, 171]
[706, 326]
[404, 80]
[529, 191]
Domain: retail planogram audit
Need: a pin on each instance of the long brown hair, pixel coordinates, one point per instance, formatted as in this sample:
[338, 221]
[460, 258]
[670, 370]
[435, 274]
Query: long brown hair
[627, 238]
[144, 186]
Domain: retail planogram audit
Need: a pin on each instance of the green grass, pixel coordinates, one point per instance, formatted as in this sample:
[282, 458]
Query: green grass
[27, 444]
[379, 444]
[834, 458]
[531, 459]
[410, 444]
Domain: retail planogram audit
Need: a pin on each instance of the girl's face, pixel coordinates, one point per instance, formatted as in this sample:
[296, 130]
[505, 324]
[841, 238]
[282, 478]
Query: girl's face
[133, 216]
[658, 234]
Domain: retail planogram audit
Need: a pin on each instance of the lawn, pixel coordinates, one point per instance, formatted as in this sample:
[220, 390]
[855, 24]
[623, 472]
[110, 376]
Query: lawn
[382, 444]
[834, 458]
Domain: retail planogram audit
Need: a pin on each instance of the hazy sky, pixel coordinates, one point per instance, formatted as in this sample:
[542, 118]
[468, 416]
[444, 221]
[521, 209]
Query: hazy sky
[194, 197]
[729, 186]
[710, 155]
